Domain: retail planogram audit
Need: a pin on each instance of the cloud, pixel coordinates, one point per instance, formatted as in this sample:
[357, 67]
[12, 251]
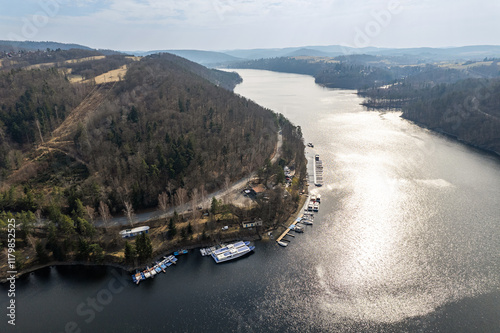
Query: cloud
[229, 24]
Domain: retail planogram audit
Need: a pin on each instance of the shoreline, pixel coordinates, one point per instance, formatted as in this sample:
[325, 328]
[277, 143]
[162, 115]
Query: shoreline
[127, 268]
[130, 269]
[454, 138]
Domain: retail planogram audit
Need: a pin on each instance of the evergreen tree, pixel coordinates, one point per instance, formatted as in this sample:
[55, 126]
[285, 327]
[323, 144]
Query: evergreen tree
[130, 253]
[41, 253]
[143, 247]
[214, 207]
[96, 253]
[172, 230]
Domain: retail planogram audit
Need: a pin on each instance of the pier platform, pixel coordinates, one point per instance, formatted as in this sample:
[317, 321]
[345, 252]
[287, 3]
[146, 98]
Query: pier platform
[290, 227]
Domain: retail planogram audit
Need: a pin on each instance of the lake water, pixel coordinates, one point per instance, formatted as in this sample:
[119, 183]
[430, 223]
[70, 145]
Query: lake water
[407, 240]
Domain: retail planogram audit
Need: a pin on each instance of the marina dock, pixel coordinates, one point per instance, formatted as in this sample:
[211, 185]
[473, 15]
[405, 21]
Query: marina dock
[290, 227]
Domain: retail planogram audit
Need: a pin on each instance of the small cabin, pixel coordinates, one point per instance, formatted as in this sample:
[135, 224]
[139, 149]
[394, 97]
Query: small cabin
[252, 224]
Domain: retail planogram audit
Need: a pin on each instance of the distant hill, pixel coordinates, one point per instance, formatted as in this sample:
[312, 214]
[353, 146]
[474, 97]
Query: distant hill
[10, 46]
[429, 54]
[15, 46]
[205, 58]
[223, 79]
[308, 52]
[261, 53]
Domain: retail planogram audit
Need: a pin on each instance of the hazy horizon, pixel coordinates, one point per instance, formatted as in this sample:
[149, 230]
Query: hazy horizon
[144, 25]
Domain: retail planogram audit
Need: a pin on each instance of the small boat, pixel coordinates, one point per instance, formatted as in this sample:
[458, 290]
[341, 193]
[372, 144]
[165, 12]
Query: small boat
[298, 229]
[306, 221]
[284, 244]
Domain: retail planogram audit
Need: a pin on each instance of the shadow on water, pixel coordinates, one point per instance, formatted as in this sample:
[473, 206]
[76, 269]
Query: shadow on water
[82, 273]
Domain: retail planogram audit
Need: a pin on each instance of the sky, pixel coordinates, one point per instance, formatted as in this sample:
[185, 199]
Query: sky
[141, 25]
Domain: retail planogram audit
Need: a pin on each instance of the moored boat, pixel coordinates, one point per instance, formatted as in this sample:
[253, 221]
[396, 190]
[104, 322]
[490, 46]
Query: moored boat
[232, 251]
[306, 221]
[298, 229]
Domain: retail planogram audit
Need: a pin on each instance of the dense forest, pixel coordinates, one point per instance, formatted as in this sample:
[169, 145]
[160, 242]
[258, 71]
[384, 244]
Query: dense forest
[165, 128]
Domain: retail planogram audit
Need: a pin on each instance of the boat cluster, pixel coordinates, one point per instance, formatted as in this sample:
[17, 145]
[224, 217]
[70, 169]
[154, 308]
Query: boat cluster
[219, 253]
[313, 205]
[306, 219]
[158, 267]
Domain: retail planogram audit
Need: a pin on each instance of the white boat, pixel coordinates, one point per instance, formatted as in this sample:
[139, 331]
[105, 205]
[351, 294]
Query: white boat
[309, 216]
[134, 232]
[284, 244]
[306, 221]
[232, 251]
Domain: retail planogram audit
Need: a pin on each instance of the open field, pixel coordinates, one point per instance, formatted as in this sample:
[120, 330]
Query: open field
[70, 61]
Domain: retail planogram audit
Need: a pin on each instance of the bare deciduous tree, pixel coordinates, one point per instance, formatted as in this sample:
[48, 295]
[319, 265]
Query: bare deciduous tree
[90, 211]
[38, 217]
[129, 211]
[104, 212]
[180, 196]
[163, 202]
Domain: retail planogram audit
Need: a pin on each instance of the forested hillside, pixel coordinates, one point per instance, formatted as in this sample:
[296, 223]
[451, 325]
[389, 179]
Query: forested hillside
[220, 78]
[166, 128]
[162, 128]
[468, 110]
